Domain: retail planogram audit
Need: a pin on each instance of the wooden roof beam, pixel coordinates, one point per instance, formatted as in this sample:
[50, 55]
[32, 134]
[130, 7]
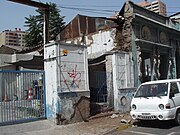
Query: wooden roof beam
[32, 3]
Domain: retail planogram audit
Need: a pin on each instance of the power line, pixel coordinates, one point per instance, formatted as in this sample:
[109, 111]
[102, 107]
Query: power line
[89, 6]
[91, 10]
[105, 6]
[98, 11]
[87, 9]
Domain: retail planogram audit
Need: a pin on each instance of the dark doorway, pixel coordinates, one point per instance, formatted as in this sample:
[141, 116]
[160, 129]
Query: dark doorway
[97, 85]
[163, 68]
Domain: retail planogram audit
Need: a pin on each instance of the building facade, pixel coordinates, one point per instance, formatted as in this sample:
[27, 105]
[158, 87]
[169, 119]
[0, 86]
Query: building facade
[67, 88]
[155, 6]
[108, 67]
[12, 37]
[138, 46]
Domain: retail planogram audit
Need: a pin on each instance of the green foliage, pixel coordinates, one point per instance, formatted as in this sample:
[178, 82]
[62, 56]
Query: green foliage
[35, 25]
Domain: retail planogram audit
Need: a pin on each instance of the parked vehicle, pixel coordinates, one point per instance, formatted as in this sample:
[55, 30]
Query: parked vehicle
[157, 100]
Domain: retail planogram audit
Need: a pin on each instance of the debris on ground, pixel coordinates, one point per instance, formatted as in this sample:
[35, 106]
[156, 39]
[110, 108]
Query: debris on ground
[101, 124]
[114, 116]
[124, 121]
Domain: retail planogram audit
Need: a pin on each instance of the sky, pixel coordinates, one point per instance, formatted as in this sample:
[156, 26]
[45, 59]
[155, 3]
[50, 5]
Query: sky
[12, 15]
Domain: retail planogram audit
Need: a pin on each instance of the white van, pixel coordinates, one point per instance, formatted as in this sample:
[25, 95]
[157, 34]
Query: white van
[157, 100]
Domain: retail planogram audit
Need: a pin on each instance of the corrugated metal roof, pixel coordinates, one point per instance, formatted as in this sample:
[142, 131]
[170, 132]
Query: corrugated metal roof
[84, 25]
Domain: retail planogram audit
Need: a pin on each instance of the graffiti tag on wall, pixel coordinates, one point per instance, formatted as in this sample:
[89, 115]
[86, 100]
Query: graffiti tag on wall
[73, 79]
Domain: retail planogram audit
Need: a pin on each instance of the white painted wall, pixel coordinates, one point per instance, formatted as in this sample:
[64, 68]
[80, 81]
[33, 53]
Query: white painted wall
[64, 74]
[50, 66]
[103, 41]
[4, 59]
[72, 69]
[97, 43]
[122, 75]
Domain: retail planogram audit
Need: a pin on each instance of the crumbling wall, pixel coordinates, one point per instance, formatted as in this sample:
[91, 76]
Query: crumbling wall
[67, 87]
[124, 31]
[74, 107]
[81, 110]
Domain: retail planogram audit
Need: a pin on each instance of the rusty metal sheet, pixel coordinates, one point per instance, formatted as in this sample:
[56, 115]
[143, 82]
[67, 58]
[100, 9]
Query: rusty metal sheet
[83, 24]
[75, 28]
[91, 25]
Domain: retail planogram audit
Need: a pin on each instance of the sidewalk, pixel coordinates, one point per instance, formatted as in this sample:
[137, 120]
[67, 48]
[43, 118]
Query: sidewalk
[97, 125]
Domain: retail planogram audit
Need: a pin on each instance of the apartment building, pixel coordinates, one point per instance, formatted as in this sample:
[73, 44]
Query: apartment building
[12, 37]
[155, 6]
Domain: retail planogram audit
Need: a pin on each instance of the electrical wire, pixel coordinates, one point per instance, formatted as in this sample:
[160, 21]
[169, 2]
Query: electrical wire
[98, 11]
[91, 10]
[88, 9]
[88, 6]
[102, 6]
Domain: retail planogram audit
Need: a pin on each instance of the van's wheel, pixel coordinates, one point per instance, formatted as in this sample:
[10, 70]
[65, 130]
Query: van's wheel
[177, 118]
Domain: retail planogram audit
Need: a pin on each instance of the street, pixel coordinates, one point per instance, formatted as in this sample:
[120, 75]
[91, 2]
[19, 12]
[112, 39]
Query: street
[99, 124]
[149, 128]
[103, 124]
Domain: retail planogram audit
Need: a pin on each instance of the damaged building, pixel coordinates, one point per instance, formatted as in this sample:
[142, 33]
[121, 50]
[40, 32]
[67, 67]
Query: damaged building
[67, 87]
[123, 52]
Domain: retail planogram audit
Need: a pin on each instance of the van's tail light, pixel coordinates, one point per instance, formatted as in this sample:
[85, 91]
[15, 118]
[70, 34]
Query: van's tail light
[168, 106]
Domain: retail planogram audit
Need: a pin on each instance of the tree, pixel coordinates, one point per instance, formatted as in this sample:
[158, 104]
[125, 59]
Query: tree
[34, 36]
[35, 25]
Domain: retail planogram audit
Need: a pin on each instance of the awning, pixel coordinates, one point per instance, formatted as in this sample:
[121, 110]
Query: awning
[36, 62]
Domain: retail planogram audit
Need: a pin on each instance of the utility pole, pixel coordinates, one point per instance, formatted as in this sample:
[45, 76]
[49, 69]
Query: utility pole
[43, 7]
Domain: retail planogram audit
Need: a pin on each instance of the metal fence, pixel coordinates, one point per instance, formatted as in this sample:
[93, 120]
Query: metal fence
[22, 96]
[99, 87]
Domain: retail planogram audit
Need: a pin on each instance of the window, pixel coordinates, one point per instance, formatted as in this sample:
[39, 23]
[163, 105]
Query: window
[174, 88]
[151, 90]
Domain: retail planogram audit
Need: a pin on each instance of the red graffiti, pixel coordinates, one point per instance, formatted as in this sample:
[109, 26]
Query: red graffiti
[74, 78]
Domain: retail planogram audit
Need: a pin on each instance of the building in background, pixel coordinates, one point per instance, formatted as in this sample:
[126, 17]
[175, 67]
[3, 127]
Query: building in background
[15, 37]
[155, 6]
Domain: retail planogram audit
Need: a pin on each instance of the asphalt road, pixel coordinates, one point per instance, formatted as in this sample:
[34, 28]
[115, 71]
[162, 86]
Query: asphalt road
[149, 128]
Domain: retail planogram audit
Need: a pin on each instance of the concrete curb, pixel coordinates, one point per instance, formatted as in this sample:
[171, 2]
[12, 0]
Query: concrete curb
[119, 128]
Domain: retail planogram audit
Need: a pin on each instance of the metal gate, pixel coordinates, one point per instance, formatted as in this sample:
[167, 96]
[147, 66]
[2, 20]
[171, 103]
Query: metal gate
[99, 86]
[22, 96]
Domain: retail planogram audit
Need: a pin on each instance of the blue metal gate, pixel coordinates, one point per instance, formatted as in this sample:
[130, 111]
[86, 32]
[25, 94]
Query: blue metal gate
[22, 96]
[99, 87]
